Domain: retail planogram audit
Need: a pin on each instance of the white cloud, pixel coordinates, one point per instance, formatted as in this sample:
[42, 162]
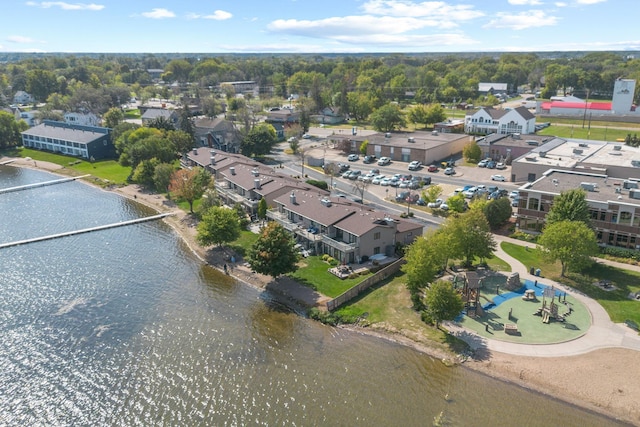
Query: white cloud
[523, 20]
[561, 4]
[218, 15]
[159, 13]
[525, 2]
[590, 1]
[66, 6]
[432, 9]
[20, 39]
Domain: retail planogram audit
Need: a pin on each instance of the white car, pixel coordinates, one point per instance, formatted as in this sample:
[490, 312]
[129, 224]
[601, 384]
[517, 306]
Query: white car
[385, 182]
[435, 204]
[415, 165]
[377, 179]
[498, 178]
[514, 194]
[501, 166]
[449, 171]
[367, 178]
[384, 161]
[353, 157]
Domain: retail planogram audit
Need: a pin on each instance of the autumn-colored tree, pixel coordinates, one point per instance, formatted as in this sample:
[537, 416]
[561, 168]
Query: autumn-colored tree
[189, 185]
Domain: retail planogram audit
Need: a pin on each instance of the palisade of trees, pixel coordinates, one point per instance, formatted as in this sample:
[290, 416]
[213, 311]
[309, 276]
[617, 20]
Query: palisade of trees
[357, 85]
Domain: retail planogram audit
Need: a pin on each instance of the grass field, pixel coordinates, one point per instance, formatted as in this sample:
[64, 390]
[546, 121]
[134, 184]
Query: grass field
[595, 133]
[108, 171]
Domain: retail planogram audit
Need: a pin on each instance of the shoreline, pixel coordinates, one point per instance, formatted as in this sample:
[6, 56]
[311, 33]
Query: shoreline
[603, 381]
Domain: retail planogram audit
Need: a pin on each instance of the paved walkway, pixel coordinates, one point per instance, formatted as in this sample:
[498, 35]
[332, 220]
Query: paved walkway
[603, 333]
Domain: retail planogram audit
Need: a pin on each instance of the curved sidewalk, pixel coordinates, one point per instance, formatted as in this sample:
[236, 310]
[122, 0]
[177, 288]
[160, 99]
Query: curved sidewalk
[602, 333]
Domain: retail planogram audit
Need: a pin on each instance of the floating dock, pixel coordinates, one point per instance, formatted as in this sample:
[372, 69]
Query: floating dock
[85, 230]
[40, 184]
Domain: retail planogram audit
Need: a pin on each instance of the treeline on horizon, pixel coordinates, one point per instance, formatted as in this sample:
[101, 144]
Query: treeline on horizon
[327, 80]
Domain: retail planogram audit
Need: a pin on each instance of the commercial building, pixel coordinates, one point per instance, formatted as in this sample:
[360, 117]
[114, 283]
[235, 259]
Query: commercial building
[614, 204]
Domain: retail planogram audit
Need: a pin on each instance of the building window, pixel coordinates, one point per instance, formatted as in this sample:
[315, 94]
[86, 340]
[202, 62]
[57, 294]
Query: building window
[625, 218]
[534, 204]
[376, 235]
[376, 250]
[614, 217]
[603, 216]
[593, 214]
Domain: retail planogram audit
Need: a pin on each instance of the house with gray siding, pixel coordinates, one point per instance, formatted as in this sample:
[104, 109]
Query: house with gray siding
[88, 142]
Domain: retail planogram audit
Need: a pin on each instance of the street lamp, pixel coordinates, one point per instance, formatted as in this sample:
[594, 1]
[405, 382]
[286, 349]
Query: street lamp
[387, 191]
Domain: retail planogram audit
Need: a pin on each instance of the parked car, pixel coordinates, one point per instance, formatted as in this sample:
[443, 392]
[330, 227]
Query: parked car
[415, 165]
[498, 178]
[491, 165]
[444, 207]
[353, 157]
[436, 204]
[306, 136]
[483, 163]
[367, 178]
[369, 159]
[449, 171]
[384, 161]
[432, 168]
[501, 166]
[471, 192]
[354, 174]
[385, 182]
[343, 167]
[426, 180]
[346, 174]
[378, 179]
[515, 201]
[514, 194]
[421, 202]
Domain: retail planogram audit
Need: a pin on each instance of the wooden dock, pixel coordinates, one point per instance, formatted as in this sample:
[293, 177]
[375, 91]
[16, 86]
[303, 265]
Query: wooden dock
[85, 230]
[40, 184]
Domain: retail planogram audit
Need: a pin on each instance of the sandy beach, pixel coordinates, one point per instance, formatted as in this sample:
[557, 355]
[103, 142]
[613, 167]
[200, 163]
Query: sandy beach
[606, 380]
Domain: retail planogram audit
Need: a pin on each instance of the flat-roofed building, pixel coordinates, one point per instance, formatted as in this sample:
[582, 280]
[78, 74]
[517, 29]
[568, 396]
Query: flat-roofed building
[614, 204]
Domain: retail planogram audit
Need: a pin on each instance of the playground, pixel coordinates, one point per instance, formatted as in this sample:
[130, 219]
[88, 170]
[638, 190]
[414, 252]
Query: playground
[527, 312]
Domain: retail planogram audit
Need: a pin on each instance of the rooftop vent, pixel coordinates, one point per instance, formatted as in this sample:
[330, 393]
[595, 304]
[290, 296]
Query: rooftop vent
[543, 154]
[617, 147]
[434, 133]
[554, 180]
[232, 169]
[577, 151]
[256, 184]
[615, 153]
[532, 142]
[411, 139]
[255, 172]
[589, 186]
[212, 159]
[325, 202]
[387, 135]
[629, 184]
[583, 144]
[531, 158]
[634, 194]
[195, 151]
[292, 198]
[516, 136]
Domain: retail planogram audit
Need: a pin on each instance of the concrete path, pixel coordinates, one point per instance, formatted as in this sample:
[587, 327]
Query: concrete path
[603, 333]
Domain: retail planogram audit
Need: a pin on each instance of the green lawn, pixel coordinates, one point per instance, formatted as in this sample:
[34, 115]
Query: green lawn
[244, 242]
[578, 132]
[387, 306]
[313, 272]
[109, 171]
[615, 302]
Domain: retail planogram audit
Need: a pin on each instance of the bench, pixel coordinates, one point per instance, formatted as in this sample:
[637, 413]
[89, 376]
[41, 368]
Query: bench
[511, 329]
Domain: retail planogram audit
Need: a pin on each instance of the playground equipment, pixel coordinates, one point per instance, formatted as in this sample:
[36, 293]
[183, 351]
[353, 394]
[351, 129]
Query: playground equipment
[529, 295]
[549, 312]
[471, 293]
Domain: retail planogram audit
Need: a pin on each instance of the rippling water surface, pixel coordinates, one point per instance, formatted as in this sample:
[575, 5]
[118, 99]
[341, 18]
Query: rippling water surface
[126, 327]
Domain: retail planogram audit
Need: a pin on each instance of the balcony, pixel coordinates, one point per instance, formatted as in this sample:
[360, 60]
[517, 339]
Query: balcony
[341, 246]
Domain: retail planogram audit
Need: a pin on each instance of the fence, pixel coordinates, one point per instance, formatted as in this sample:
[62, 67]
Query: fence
[353, 292]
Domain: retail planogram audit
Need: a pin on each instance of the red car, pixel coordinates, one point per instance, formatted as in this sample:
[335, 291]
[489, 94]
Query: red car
[432, 168]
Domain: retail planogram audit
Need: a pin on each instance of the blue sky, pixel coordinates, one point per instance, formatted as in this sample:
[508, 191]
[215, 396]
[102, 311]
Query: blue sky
[296, 26]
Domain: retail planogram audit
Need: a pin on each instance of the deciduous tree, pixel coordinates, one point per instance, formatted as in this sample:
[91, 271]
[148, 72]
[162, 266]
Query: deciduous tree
[273, 253]
[387, 118]
[219, 225]
[442, 302]
[472, 152]
[570, 205]
[189, 185]
[570, 242]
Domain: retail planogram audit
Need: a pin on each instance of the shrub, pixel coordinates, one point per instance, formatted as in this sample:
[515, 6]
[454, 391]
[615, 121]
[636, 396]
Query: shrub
[521, 235]
[325, 257]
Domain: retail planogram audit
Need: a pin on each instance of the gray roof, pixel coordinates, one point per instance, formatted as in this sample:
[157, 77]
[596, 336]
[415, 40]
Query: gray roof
[153, 113]
[64, 132]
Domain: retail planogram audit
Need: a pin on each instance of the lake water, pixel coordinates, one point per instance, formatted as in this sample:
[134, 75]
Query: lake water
[126, 327]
